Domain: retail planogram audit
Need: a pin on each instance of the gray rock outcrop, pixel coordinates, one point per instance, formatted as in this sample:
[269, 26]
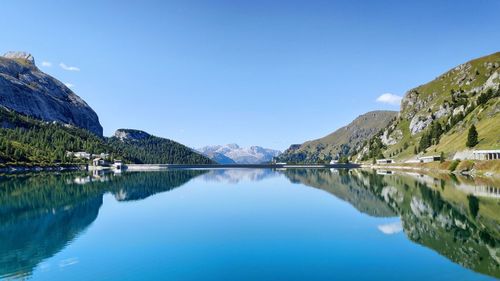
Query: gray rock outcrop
[130, 134]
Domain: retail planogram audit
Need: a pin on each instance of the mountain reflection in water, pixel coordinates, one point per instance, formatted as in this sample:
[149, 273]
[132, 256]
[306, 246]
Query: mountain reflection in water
[41, 214]
[456, 217]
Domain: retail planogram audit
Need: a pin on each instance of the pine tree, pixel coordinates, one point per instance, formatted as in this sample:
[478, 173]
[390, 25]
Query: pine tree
[472, 138]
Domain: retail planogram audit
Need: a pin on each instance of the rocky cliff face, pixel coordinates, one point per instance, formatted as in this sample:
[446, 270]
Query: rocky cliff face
[434, 100]
[27, 90]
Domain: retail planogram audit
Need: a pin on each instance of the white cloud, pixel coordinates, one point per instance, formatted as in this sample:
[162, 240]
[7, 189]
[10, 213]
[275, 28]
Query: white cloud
[68, 68]
[46, 64]
[389, 99]
[69, 85]
[391, 228]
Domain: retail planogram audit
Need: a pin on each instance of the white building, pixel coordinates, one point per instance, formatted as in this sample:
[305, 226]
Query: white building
[99, 162]
[118, 164]
[492, 154]
[428, 159]
[385, 161]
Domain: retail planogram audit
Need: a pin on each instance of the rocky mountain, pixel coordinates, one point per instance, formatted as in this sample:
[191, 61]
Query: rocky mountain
[27, 90]
[435, 117]
[240, 155]
[340, 143]
[140, 147]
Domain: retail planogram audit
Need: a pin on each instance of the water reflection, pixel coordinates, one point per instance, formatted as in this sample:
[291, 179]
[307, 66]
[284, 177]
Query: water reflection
[237, 175]
[342, 184]
[41, 214]
[456, 216]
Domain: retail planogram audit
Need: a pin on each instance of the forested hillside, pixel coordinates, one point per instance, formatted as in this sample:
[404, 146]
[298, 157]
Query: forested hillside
[28, 141]
[141, 147]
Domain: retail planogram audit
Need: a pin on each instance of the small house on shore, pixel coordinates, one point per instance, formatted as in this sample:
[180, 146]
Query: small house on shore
[428, 159]
[96, 162]
[118, 165]
[385, 161]
[491, 154]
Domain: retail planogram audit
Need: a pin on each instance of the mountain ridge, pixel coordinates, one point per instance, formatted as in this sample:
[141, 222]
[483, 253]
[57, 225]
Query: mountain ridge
[341, 142]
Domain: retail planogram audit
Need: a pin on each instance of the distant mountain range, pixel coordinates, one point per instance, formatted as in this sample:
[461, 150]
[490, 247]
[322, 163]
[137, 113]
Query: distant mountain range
[233, 153]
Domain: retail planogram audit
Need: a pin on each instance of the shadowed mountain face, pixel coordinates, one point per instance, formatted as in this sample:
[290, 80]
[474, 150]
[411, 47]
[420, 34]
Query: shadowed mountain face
[40, 215]
[27, 90]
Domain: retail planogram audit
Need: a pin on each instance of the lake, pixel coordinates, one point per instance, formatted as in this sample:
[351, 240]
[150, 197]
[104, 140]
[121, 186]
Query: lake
[249, 224]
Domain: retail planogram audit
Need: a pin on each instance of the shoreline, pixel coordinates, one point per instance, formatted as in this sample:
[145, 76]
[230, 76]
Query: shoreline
[464, 168]
[40, 168]
[470, 168]
[160, 167]
[163, 167]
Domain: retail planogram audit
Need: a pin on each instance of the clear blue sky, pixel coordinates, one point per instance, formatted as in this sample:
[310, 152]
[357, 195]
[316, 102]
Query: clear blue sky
[267, 73]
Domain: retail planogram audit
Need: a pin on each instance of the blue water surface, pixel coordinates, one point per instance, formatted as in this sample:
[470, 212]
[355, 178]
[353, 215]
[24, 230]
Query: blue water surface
[228, 225]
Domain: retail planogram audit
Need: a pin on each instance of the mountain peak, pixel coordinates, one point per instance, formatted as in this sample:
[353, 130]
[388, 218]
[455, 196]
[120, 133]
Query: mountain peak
[233, 146]
[16, 55]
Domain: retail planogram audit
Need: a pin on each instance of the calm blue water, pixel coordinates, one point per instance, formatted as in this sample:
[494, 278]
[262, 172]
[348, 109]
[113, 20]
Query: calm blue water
[247, 225]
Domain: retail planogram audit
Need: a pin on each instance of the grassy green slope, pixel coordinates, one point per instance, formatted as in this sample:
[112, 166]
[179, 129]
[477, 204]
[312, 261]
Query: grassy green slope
[452, 101]
[341, 142]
